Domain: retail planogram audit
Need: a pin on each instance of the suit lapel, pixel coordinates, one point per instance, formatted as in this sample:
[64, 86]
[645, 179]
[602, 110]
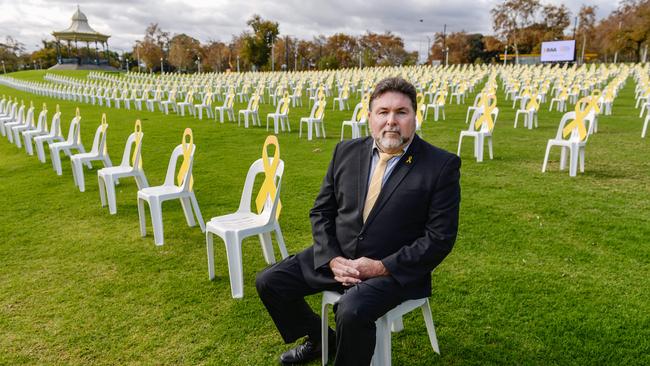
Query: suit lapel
[402, 168]
[364, 160]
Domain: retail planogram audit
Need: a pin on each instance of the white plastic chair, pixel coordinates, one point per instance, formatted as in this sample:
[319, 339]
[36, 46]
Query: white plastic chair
[19, 120]
[227, 107]
[359, 117]
[131, 166]
[40, 130]
[188, 102]
[73, 142]
[573, 143]
[10, 117]
[342, 99]
[53, 136]
[315, 119]
[171, 100]
[234, 228]
[480, 134]
[391, 321]
[437, 105]
[98, 152]
[251, 110]
[169, 190]
[205, 104]
[14, 130]
[280, 117]
[530, 113]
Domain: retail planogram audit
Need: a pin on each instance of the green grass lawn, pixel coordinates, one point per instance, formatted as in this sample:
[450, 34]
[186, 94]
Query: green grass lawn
[547, 269]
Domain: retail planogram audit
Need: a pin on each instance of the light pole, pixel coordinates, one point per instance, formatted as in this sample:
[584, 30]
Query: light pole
[505, 56]
[137, 53]
[198, 63]
[3, 67]
[127, 64]
[446, 56]
[161, 66]
[34, 62]
[428, 49]
[237, 63]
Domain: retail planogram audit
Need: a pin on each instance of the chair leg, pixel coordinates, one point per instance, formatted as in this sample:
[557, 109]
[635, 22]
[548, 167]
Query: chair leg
[460, 141]
[645, 126]
[563, 152]
[233, 252]
[56, 160]
[143, 223]
[155, 207]
[267, 247]
[280, 239]
[489, 141]
[197, 211]
[102, 189]
[187, 210]
[324, 330]
[209, 243]
[573, 160]
[431, 329]
[110, 194]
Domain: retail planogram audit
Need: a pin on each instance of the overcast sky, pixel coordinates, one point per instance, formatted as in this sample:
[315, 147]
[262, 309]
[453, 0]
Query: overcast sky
[29, 21]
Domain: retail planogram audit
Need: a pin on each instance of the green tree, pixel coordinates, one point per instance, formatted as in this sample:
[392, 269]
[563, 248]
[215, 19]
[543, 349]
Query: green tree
[257, 44]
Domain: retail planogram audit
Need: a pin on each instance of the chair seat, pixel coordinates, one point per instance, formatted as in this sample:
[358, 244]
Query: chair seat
[160, 191]
[238, 221]
[87, 156]
[116, 170]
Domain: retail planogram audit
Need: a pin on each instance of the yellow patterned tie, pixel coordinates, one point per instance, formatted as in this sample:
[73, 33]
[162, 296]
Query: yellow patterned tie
[375, 182]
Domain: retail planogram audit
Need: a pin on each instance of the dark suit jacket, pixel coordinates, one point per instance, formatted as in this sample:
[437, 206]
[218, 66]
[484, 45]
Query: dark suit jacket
[411, 228]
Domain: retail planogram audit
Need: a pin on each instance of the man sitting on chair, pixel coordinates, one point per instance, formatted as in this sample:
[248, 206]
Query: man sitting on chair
[385, 217]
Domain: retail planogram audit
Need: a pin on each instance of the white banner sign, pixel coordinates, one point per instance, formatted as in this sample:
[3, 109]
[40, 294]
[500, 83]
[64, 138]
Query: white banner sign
[558, 51]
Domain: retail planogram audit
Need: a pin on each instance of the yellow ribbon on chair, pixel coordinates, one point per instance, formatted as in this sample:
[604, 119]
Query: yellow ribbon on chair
[138, 141]
[593, 103]
[45, 107]
[532, 103]
[104, 127]
[58, 110]
[321, 108]
[486, 116]
[268, 186]
[77, 113]
[187, 153]
[578, 122]
[285, 105]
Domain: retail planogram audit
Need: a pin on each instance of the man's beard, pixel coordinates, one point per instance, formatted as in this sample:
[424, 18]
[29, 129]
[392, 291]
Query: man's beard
[390, 141]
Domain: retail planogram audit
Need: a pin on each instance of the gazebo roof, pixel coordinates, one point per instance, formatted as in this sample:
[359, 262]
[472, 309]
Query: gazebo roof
[80, 30]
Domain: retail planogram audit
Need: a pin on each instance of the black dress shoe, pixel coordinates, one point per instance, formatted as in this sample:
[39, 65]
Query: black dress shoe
[308, 351]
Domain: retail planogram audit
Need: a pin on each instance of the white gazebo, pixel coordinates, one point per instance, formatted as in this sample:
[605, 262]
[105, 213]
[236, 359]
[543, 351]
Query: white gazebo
[80, 31]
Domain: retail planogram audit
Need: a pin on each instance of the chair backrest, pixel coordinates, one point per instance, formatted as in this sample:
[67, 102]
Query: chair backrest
[29, 119]
[42, 120]
[355, 113]
[99, 142]
[20, 116]
[55, 126]
[320, 111]
[270, 203]
[73, 132]
[133, 150]
[313, 109]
